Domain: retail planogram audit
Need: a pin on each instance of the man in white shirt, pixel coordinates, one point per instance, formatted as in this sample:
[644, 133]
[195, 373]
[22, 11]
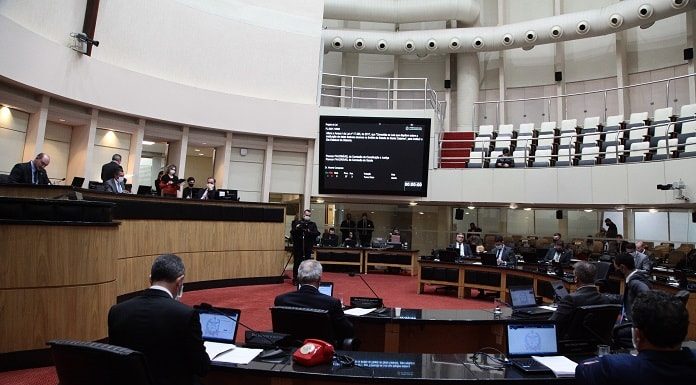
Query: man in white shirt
[463, 247]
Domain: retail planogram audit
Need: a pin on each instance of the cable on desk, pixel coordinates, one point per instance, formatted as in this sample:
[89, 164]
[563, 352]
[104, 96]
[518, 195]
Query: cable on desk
[501, 362]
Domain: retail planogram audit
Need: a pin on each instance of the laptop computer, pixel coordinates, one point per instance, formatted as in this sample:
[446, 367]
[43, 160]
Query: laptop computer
[450, 254]
[224, 194]
[77, 182]
[523, 302]
[219, 324]
[527, 340]
[489, 259]
[325, 288]
[144, 190]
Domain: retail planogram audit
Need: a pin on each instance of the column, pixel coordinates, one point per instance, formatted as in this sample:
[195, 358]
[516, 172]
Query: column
[559, 66]
[267, 172]
[691, 42]
[621, 76]
[501, 116]
[81, 151]
[134, 155]
[309, 167]
[176, 154]
[223, 157]
[349, 66]
[467, 89]
[36, 131]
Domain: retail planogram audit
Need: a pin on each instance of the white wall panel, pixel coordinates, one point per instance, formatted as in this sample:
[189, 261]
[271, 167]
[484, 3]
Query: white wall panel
[591, 58]
[540, 185]
[642, 179]
[11, 148]
[246, 174]
[651, 226]
[54, 20]
[507, 184]
[659, 46]
[609, 184]
[575, 184]
[59, 153]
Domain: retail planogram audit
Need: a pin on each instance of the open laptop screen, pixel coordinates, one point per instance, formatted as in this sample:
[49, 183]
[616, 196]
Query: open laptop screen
[522, 296]
[525, 340]
[325, 288]
[218, 327]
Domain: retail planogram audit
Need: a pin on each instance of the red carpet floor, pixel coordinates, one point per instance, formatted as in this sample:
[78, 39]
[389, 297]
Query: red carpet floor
[254, 302]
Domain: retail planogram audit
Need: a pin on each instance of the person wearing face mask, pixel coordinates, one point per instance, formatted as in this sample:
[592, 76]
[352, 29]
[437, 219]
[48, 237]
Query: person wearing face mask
[660, 325]
[170, 183]
[504, 254]
[117, 184]
[189, 191]
[209, 192]
[165, 330]
[558, 253]
[304, 233]
[636, 283]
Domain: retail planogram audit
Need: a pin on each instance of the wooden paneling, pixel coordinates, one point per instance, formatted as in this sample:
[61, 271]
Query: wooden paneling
[42, 256]
[31, 317]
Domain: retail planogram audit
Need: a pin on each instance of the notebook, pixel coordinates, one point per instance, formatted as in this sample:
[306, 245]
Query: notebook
[527, 340]
[523, 301]
[325, 288]
[219, 324]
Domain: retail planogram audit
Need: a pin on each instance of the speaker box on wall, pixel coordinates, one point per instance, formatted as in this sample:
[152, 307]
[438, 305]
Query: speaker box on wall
[459, 214]
[448, 84]
[688, 54]
[558, 75]
[693, 216]
[559, 214]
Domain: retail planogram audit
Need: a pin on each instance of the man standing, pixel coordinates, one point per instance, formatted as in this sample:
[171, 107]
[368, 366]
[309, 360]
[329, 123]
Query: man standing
[636, 283]
[611, 234]
[32, 172]
[108, 170]
[304, 232]
[347, 226]
[585, 294]
[308, 276]
[660, 324]
[365, 229]
[463, 247]
[166, 331]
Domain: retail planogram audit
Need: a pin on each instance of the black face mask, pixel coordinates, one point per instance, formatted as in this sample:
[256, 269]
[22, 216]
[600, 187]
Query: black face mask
[191, 184]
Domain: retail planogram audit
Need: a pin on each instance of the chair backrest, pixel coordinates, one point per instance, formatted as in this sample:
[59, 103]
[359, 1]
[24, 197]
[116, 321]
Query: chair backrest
[476, 157]
[591, 122]
[505, 129]
[302, 323]
[611, 151]
[482, 142]
[688, 127]
[687, 110]
[589, 153]
[503, 141]
[547, 127]
[638, 132]
[661, 130]
[526, 129]
[567, 139]
[690, 144]
[485, 130]
[662, 145]
[614, 120]
[639, 148]
[637, 117]
[662, 114]
[565, 153]
[519, 157]
[569, 125]
[593, 324]
[87, 363]
[524, 142]
[542, 155]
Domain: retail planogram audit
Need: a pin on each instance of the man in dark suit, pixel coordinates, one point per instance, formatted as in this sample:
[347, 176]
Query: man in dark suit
[108, 170]
[304, 233]
[660, 324]
[559, 253]
[347, 226]
[32, 172]
[330, 239]
[308, 295]
[116, 184]
[463, 247]
[365, 229]
[209, 192]
[585, 294]
[504, 254]
[166, 331]
[636, 283]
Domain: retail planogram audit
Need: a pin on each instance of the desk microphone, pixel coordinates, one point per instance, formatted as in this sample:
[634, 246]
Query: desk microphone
[366, 301]
[209, 307]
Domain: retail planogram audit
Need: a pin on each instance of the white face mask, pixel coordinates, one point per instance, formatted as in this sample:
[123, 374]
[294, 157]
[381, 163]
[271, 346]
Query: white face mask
[307, 217]
[633, 338]
[211, 186]
[180, 293]
[172, 172]
[120, 179]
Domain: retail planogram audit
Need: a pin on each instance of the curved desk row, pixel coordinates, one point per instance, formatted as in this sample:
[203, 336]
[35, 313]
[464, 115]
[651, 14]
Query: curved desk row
[363, 258]
[466, 276]
[60, 277]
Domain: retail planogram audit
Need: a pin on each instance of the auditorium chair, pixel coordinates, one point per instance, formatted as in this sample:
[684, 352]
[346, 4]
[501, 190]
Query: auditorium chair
[4, 179]
[662, 115]
[687, 111]
[526, 130]
[613, 154]
[665, 149]
[689, 148]
[687, 130]
[476, 159]
[485, 130]
[88, 363]
[548, 128]
[566, 157]
[589, 156]
[506, 130]
[590, 326]
[661, 132]
[639, 152]
[303, 323]
[613, 121]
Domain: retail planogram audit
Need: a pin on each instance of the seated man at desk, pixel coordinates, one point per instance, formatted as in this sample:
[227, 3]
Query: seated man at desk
[660, 324]
[350, 240]
[463, 248]
[308, 276]
[504, 254]
[504, 160]
[117, 183]
[330, 239]
[585, 294]
[559, 253]
[32, 172]
[209, 192]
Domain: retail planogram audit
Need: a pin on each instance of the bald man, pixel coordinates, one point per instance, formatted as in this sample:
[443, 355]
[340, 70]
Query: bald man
[32, 172]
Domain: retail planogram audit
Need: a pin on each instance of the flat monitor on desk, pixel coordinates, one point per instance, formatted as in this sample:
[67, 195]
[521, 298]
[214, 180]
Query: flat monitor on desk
[144, 190]
[219, 324]
[489, 259]
[230, 195]
[450, 254]
[325, 288]
[77, 182]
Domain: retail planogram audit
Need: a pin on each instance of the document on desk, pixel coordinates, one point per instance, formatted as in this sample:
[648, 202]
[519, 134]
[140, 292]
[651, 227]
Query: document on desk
[548, 307]
[215, 349]
[229, 353]
[358, 311]
[561, 366]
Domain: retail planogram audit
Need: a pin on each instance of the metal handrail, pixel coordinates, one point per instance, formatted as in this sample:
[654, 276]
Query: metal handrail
[620, 133]
[549, 98]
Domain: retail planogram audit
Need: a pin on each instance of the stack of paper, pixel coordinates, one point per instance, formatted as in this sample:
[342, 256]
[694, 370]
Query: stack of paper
[561, 366]
[358, 311]
[229, 353]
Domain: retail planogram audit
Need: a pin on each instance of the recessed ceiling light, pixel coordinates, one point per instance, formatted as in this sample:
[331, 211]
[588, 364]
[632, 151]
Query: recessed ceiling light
[197, 150]
[319, 200]
[61, 120]
[653, 211]
[588, 210]
[513, 205]
[470, 207]
[413, 203]
[421, 213]
[527, 209]
[204, 143]
[201, 154]
[466, 213]
[148, 143]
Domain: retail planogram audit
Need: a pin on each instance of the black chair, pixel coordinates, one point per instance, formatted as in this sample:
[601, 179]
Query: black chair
[302, 323]
[4, 179]
[88, 363]
[590, 326]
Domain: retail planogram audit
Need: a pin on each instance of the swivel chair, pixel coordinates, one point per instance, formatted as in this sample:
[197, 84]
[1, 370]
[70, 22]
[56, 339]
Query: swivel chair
[87, 363]
[590, 326]
[302, 323]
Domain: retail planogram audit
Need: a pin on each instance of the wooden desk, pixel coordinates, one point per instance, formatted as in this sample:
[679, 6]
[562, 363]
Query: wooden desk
[404, 259]
[341, 256]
